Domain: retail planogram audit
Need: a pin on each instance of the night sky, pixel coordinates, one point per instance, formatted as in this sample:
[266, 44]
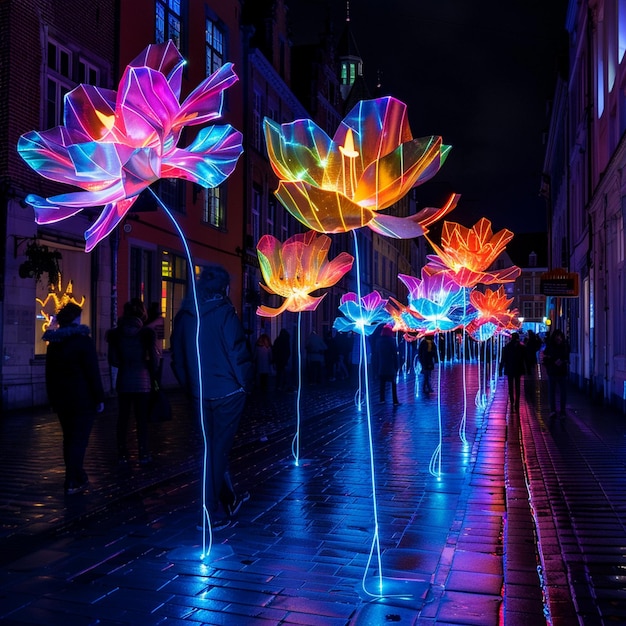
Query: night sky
[480, 74]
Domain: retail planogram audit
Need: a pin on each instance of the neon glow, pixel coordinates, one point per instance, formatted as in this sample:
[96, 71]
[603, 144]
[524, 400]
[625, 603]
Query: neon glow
[361, 315]
[114, 144]
[55, 302]
[297, 267]
[467, 253]
[340, 184]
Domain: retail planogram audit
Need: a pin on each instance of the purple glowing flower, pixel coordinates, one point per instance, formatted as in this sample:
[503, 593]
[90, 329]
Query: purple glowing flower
[114, 144]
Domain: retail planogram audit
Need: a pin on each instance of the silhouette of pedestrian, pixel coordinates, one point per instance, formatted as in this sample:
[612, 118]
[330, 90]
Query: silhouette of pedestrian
[263, 360]
[556, 361]
[226, 377]
[281, 351]
[133, 350]
[513, 364]
[533, 345]
[387, 363]
[427, 356]
[315, 349]
[74, 389]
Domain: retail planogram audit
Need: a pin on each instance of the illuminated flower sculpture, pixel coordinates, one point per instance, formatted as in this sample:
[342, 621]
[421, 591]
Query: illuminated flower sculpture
[340, 184]
[492, 313]
[296, 268]
[362, 317]
[436, 301]
[113, 145]
[467, 253]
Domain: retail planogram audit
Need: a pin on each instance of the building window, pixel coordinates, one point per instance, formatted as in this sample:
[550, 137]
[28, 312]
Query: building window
[214, 39]
[271, 216]
[173, 289]
[255, 216]
[257, 117]
[141, 273]
[527, 286]
[65, 69]
[171, 192]
[168, 21]
[214, 209]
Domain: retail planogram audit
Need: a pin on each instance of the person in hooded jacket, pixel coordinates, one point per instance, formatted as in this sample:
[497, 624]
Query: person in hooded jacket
[74, 389]
[513, 364]
[387, 363]
[226, 377]
[133, 349]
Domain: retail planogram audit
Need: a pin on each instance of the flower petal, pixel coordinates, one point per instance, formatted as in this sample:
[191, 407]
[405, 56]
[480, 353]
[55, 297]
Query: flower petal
[321, 210]
[209, 160]
[205, 102]
[298, 151]
[90, 111]
[111, 216]
[165, 58]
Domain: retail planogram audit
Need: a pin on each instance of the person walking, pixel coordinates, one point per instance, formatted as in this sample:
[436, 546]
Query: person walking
[513, 364]
[387, 363]
[134, 351]
[263, 361]
[427, 356]
[220, 388]
[556, 360]
[74, 388]
[281, 351]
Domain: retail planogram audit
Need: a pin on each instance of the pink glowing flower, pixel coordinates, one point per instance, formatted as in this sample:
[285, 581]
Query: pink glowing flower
[361, 316]
[467, 253]
[340, 184]
[296, 268]
[437, 300]
[113, 145]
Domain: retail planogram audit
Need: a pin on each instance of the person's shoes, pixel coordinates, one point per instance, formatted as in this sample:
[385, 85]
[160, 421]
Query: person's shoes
[217, 524]
[74, 488]
[233, 508]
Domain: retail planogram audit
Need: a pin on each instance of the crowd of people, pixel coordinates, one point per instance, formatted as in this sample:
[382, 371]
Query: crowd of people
[214, 363]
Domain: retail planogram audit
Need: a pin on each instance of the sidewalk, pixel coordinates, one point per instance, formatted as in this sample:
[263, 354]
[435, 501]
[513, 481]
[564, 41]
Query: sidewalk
[458, 549]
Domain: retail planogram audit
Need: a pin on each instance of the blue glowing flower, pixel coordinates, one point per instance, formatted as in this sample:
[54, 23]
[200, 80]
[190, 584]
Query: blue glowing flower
[361, 317]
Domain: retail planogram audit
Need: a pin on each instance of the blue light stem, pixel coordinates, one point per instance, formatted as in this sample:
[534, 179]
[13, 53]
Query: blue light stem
[434, 467]
[464, 416]
[206, 520]
[295, 444]
[376, 538]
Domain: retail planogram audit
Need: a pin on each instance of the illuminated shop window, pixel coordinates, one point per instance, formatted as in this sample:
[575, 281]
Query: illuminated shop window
[73, 285]
[173, 288]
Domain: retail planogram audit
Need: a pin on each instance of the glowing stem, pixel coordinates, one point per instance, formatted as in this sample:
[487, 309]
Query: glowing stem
[464, 416]
[376, 539]
[295, 444]
[206, 520]
[434, 466]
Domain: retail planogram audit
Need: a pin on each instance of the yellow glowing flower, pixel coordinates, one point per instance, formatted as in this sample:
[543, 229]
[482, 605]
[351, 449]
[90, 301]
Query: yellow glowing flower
[340, 184]
[296, 268]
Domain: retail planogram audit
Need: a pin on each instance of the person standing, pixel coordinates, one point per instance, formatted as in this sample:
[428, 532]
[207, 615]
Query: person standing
[74, 388]
[281, 351]
[427, 356]
[133, 350]
[556, 361]
[220, 388]
[387, 363]
[513, 364]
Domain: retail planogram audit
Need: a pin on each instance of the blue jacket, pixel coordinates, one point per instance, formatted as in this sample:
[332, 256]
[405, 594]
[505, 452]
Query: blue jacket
[226, 362]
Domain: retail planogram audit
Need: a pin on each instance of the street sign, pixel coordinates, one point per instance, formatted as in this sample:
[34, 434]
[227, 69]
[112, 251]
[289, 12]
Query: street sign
[559, 283]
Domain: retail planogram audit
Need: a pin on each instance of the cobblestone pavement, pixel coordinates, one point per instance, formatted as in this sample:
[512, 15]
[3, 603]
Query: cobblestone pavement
[525, 524]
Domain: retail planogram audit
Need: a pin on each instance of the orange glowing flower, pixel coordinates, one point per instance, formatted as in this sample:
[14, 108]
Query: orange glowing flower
[467, 253]
[340, 184]
[296, 268]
